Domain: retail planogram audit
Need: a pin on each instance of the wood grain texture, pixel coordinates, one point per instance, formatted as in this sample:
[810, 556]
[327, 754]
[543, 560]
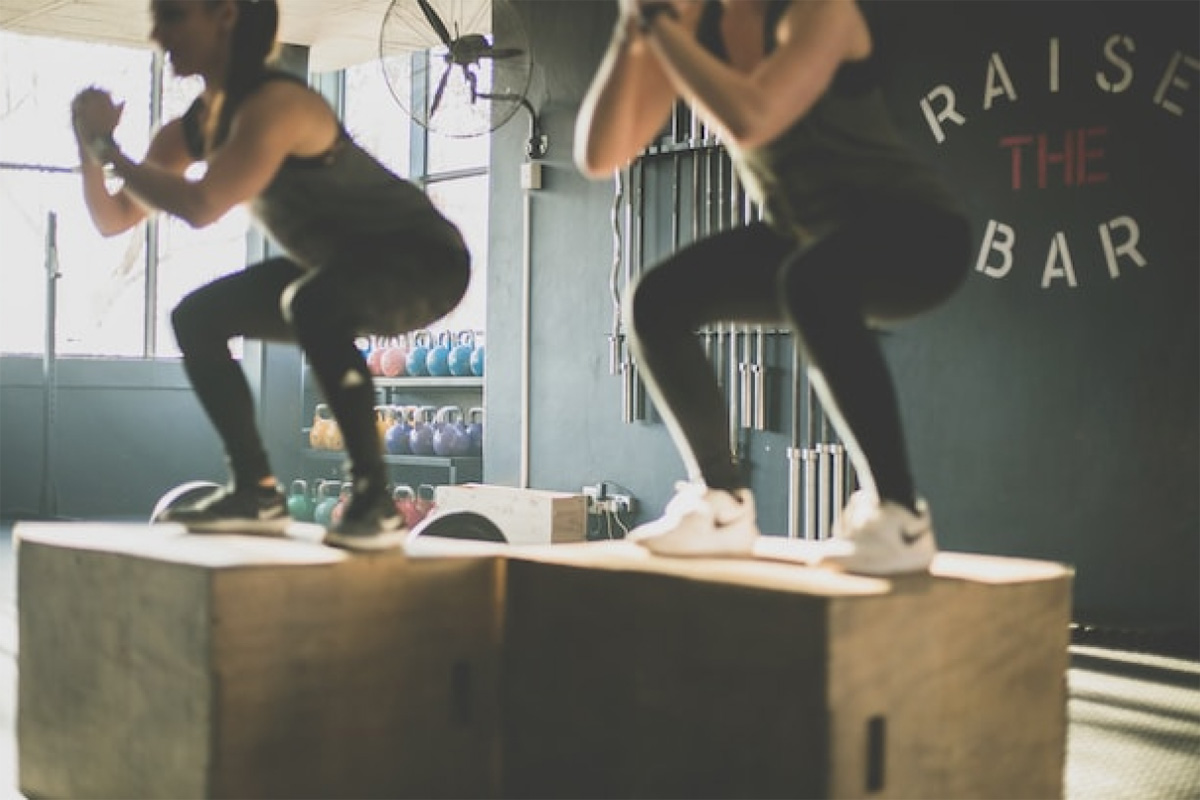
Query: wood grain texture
[157, 664]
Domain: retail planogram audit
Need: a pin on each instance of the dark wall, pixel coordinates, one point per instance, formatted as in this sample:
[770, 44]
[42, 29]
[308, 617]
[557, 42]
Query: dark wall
[1054, 421]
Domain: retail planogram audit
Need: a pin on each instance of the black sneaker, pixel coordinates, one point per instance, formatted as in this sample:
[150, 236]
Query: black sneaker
[370, 522]
[257, 510]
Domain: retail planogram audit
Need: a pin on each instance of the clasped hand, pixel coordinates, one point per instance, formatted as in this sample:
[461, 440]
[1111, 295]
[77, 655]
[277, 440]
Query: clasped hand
[94, 116]
[684, 9]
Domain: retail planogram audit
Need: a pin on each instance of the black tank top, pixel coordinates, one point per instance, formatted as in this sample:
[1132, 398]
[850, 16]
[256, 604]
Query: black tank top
[318, 208]
[844, 155]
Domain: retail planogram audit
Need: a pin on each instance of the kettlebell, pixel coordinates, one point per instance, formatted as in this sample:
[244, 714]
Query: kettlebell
[327, 498]
[405, 499]
[364, 345]
[299, 502]
[418, 353]
[394, 362]
[424, 502]
[437, 360]
[420, 438]
[325, 433]
[375, 357]
[396, 439]
[383, 422]
[449, 434]
[460, 354]
[475, 430]
[343, 499]
[477, 361]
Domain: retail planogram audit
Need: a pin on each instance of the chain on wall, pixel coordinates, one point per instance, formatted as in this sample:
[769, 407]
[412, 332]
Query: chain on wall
[683, 188]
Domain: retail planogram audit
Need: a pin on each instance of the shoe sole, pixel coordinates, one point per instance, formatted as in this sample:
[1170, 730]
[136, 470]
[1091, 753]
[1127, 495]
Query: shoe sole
[368, 543]
[258, 527]
[895, 564]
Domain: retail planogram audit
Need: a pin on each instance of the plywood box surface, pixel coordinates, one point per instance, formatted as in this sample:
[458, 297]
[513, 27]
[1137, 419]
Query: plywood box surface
[156, 664]
[163, 665]
[527, 516]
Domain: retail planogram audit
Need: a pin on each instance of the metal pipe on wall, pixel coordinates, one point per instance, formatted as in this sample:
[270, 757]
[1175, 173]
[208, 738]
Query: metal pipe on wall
[526, 343]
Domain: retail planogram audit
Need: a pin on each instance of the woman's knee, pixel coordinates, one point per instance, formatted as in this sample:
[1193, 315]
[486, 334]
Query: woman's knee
[649, 307]
[193, 321]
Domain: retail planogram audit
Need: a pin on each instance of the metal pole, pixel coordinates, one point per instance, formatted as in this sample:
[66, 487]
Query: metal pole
[48, 504]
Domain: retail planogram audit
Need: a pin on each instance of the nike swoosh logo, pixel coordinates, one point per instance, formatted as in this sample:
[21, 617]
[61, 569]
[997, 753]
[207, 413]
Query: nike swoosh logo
[913, 538]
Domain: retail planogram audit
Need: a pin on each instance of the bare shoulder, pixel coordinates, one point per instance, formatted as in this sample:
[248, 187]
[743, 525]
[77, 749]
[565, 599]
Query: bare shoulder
[285, 94]
[827, 21]
[292, 114]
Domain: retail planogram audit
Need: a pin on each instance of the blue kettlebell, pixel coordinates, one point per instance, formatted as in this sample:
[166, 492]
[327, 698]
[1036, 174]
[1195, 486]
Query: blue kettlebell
[448, 433]
[415, 361]
[437, 360]
[460, 354]
[420, 438]
[396, 438]
[477, 361]
[475, 430]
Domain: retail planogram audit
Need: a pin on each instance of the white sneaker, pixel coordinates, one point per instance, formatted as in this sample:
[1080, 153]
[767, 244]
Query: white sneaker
[699, 521]
[873, 538]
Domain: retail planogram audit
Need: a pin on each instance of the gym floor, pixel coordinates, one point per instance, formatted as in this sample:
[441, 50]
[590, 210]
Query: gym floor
[1134, 716]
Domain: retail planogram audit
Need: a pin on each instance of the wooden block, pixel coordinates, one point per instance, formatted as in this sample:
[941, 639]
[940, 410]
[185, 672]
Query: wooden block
[628, 675]
[526, 516]
[156, 664]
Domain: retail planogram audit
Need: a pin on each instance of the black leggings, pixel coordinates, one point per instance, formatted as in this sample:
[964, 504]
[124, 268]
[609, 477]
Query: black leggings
[885, 267]
[324, 311]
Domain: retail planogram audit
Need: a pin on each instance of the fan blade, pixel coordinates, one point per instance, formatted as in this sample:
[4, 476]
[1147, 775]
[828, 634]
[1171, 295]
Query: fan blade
[441, 87]
[504, 52]
[435, 21]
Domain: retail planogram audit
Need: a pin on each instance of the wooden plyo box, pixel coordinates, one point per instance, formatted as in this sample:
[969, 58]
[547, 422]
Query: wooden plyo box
[633, 676]
[157, 664]
[527, 516]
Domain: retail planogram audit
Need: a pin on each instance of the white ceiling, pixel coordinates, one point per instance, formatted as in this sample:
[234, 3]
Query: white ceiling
[339, 32]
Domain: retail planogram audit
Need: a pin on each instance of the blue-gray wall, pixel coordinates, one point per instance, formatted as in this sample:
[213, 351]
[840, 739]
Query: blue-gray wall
[1054, 423]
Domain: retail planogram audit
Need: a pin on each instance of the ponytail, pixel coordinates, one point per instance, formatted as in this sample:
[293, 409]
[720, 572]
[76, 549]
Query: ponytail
[251, 49]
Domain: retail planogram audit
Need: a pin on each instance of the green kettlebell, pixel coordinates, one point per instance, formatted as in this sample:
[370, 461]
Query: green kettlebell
[299, 502]
[327, 500]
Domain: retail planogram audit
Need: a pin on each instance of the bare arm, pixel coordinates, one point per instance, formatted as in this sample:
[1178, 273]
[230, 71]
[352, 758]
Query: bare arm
[628, 102]
[279, 120]
[116, 211]
[752, 108]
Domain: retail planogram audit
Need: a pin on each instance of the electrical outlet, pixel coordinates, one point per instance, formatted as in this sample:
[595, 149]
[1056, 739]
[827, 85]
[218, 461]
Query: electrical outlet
[621, 503]
[599, 501]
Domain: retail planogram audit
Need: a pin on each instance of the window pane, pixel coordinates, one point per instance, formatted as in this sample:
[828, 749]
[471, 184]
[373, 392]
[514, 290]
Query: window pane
[36, 93]
[189, 258]
[101, 288]
[446, 154]
[465, 202]
[373, 116]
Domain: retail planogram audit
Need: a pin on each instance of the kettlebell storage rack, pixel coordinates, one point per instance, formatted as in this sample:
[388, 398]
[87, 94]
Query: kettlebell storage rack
[458, 469]
[465, 391]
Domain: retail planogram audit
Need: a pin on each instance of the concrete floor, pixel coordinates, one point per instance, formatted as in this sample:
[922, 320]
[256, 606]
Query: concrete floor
[1134, 717]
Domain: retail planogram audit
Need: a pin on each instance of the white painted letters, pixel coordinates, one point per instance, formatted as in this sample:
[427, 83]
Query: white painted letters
[1003, 246]
[948, 112]
[997, 82]
[1058, 262]
[1111, 55]
[1172, 79]
[1127, 248]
